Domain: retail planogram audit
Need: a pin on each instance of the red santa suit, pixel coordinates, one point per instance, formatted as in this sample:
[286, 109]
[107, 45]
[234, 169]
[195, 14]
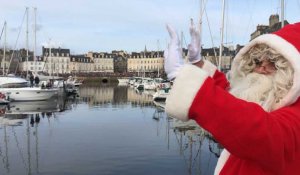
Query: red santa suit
[259, 142]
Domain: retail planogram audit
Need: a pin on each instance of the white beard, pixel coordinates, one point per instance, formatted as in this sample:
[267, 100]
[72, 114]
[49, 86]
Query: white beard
[257, 88]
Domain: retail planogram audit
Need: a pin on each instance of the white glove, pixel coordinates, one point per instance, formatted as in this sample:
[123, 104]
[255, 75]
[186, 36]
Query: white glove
[173, 55]
[194, 48]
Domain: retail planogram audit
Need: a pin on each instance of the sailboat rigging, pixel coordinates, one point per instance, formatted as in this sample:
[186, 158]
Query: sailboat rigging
[222, 36]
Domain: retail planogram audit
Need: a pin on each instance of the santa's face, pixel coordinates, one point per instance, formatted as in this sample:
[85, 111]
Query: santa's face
[264, 67]
[263, 76]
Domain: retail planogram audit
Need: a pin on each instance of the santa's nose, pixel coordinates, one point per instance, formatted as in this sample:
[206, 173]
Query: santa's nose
[261, 70]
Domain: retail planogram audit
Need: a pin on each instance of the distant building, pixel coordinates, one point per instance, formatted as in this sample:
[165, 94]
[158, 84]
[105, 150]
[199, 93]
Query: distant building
[57, 60]
[81, 64]
[212, 54]
[146, 62]
[34, 65]
[103, 62]
[274, 25]
[120, 61]
[11, 62]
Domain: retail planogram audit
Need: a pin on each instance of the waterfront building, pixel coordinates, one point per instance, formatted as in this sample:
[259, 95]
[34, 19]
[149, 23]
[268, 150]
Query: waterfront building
[33, 65]
[81, 64]
[146, 62]
[274, 25]
[120, 61]
[212, 54]
[57, 60]
[103, 62]
[11, 62]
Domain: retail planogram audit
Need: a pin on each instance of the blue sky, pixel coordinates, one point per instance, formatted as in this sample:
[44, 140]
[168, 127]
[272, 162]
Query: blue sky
[106, 25]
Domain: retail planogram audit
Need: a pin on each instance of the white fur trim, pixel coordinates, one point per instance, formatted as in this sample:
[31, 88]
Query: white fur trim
[209, 67]
[288, 51]
[221, 161]
[186, 85]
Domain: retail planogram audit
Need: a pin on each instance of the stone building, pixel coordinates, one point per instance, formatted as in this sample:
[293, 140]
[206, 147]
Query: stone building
[81, 64]
[120, 61]
[103, 62]
[34, 65]
[146, 62]
[274, 25]
[12, 59]
[212, 54]
[57, 60]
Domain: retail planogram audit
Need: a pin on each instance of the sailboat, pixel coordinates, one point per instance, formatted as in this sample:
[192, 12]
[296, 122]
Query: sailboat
[17, 89]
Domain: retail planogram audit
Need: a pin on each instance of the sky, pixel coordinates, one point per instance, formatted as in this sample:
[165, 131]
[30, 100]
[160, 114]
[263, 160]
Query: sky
[132, 25]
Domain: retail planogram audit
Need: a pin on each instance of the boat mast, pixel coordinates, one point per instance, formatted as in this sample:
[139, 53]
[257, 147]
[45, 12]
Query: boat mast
[4, 48]
[34, 48]
[282, 13]
[158, 58]
[27, 44]
[200, 23]
[222, 35]
[181, 46]
[51, 61]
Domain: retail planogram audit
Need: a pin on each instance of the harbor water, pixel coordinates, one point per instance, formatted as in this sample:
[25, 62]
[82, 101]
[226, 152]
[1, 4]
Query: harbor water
[107, 130]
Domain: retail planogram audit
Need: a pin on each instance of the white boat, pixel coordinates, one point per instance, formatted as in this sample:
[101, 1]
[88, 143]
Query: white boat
[123, 81]
[28, 93]
[16, 89]
[43, 77]
[12, 82]
[73, 81]
[149, 84]
[163, 91]
[161, 94]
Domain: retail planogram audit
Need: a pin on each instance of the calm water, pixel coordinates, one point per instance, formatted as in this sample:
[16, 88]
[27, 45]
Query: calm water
[107, 130]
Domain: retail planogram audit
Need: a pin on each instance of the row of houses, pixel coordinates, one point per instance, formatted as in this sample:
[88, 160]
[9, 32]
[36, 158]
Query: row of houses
[60, 61]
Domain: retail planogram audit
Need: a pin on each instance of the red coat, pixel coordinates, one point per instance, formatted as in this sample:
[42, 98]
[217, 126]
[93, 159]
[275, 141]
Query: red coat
[260, 142]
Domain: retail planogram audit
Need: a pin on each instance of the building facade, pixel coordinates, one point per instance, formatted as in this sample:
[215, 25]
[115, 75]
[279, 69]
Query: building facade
[57, 60]
[274, 25]
[103, 62]
[81, 64]
[144, 62]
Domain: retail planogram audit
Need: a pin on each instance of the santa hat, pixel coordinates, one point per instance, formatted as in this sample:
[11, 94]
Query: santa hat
[286, 42]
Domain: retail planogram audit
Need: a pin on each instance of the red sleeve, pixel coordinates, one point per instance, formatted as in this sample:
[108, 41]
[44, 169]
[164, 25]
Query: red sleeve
[221, 80]
[244, 128]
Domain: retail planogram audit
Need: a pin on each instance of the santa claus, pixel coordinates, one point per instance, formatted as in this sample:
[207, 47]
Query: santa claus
[256, 117]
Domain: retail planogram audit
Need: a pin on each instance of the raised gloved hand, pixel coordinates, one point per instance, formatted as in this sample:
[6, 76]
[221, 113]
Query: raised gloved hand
[194, 48]
[173, 55]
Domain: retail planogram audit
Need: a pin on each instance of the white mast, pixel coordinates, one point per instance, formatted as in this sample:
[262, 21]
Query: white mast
[27, 44]
[222, 34]
[51, 61]
[34, 48]
[282, 13]
[158, 58]
[181, 46]
[4, 48]
[200, 23]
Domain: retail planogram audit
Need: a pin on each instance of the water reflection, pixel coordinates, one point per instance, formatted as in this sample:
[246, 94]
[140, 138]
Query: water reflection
[115, 96]
[65, 136]
[15, 112]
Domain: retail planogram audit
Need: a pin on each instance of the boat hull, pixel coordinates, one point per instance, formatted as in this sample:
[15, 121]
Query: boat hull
[28, 94]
